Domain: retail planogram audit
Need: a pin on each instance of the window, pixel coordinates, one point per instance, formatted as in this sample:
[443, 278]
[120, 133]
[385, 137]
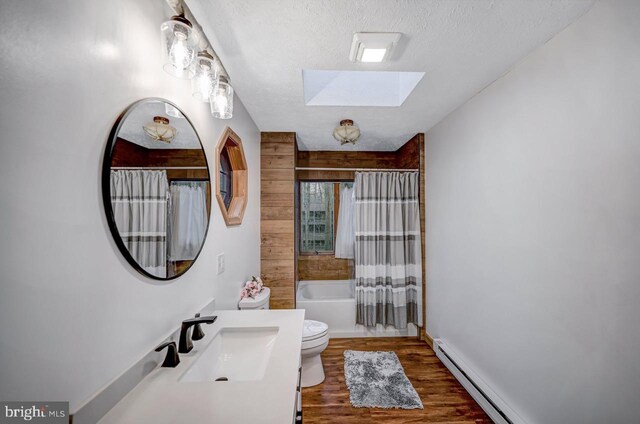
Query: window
[226, 178]
[317, 217]
[231, 187]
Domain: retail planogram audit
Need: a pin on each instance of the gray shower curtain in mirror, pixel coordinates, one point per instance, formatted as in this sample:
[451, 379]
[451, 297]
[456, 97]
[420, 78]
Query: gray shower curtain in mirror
[139, 202]
[388, 257]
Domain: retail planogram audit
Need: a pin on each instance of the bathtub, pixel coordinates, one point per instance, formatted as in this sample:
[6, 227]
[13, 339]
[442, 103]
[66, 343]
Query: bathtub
[333, 302]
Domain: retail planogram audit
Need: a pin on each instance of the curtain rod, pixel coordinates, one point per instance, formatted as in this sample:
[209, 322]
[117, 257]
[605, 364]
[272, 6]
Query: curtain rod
[157, 167]
[302, 168]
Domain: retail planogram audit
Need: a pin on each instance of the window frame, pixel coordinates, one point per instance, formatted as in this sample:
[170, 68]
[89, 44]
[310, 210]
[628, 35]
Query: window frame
[231, 142]
[336, 207]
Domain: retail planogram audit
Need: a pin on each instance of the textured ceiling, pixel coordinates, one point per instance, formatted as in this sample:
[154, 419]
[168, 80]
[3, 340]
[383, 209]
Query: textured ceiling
[461, 45]
[132, 128]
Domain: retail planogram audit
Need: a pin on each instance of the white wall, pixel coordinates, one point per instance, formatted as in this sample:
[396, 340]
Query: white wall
[74, 314]
[533, 226]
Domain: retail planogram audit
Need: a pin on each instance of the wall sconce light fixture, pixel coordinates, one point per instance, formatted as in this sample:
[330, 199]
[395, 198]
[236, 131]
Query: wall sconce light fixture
[182, 39]
[179, 47]
[222, 99]
[206, 73]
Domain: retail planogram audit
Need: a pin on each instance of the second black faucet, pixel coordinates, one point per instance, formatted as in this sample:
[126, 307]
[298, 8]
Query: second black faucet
[185, 345]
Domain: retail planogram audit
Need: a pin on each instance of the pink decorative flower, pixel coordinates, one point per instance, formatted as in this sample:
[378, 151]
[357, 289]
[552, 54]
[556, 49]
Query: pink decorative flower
[252, 288]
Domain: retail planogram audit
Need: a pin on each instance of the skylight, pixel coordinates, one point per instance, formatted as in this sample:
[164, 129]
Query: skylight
[358, 88]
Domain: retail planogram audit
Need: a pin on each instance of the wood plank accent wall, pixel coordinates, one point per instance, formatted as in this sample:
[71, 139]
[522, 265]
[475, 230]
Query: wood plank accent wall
[339, 159]
[128, 154]
[408, 155]
[277, 216]
[324, 267]
[415, 153]
[423, 223]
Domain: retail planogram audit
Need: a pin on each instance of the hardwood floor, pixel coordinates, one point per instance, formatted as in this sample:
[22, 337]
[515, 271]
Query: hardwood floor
[444, 399]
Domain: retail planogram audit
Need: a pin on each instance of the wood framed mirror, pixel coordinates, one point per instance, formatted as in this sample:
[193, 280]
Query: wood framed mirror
[231, 177]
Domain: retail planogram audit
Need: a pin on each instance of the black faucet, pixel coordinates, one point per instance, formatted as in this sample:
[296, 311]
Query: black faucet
[197, 333]
[185, 344]
[172, 359]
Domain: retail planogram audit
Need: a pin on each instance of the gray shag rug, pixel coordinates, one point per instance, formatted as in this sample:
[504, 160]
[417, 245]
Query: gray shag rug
[377, 380]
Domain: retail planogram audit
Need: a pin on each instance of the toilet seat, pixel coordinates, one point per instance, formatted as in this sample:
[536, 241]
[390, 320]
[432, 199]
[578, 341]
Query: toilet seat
[313, 329]
[314, 333]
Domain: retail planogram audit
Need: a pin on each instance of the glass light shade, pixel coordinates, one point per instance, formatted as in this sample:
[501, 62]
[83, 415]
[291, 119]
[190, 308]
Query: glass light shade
[222, 99]
[179, 47]
[205, 77]
[160, 130]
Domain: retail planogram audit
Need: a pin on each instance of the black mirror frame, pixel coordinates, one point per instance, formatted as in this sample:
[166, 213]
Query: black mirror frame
[106, 188]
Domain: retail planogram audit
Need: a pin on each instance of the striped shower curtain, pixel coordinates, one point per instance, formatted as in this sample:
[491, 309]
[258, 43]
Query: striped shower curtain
[139, 201]
[388, 257]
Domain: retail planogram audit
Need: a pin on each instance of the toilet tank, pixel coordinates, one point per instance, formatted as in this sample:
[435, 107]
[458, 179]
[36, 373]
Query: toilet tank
[261, 301]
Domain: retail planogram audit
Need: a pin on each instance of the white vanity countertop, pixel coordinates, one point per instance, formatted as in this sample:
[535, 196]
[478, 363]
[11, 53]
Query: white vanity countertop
[161, 398]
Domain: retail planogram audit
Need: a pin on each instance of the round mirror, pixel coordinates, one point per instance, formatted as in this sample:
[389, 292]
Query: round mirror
[156, 189]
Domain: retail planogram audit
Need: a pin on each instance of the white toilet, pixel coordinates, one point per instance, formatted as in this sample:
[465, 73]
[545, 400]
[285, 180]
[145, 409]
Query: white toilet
[315, 338]
[261, 301]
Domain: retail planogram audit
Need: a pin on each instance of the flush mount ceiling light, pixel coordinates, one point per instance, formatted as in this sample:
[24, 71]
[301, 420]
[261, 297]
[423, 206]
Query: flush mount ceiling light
[222, 99]
[179, 47]
[373, 46]
[205, 77]
[346, 132]
[160, 130]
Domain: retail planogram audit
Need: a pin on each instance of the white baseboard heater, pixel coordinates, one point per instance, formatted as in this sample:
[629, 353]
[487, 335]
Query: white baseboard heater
[492, 404]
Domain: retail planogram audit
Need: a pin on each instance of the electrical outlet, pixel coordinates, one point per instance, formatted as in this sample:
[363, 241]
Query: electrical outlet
[220, 263]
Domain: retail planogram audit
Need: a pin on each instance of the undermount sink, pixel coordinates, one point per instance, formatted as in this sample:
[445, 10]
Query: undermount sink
[234, 354]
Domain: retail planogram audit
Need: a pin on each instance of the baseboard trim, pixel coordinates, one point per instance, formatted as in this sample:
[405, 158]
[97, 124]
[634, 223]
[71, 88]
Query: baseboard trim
[428, 339]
